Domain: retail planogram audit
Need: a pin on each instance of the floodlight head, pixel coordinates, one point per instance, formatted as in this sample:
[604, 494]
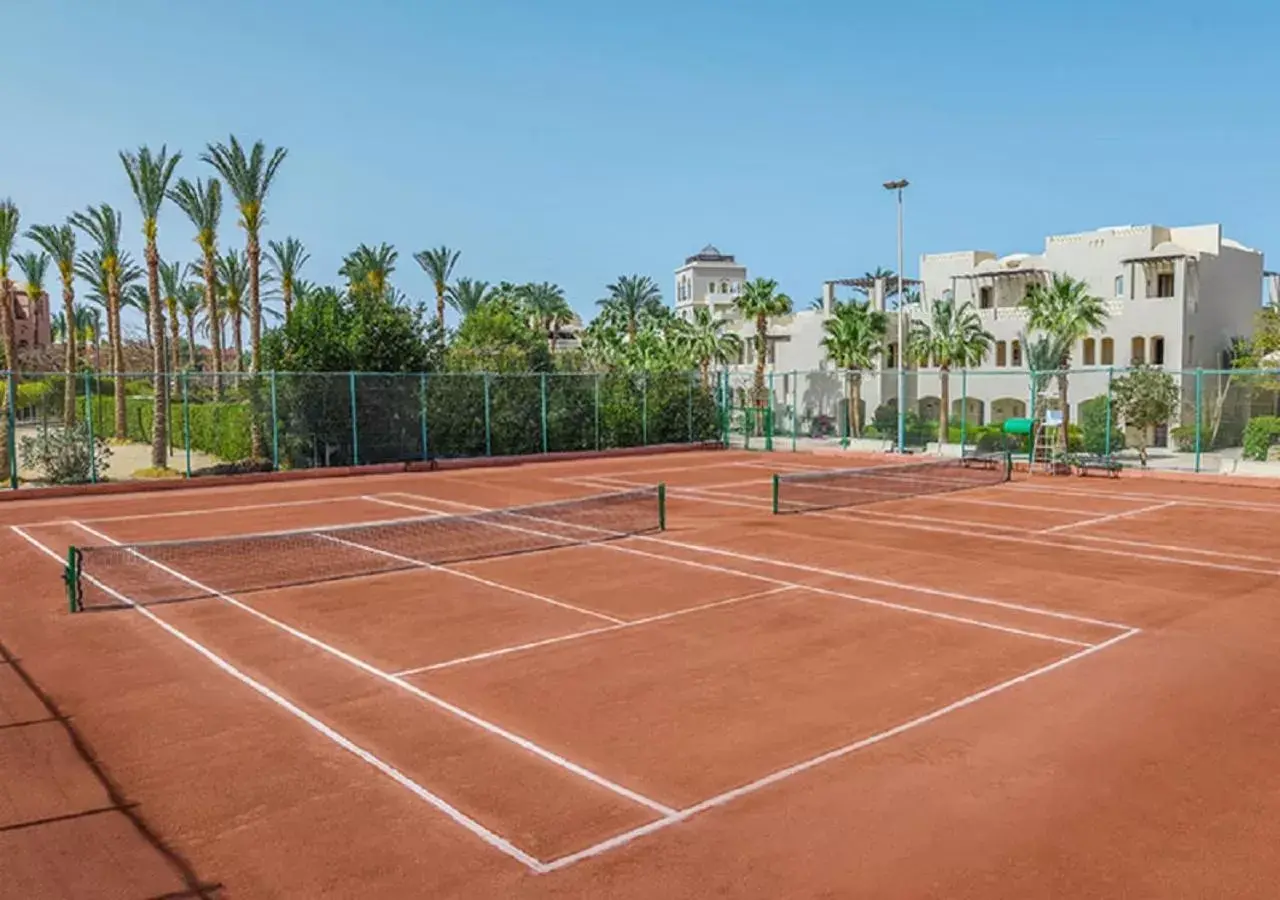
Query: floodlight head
[896, 185]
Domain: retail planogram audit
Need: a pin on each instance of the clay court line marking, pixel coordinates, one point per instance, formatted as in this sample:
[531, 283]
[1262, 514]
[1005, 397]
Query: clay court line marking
[189, 512]
[491, 838]
[782, 774]
[1186, 500]
[870, 601]
[564, 638]
[1111, 518]
[522, 742]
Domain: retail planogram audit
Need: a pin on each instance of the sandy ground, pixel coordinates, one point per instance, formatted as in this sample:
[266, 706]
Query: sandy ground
[125, 459]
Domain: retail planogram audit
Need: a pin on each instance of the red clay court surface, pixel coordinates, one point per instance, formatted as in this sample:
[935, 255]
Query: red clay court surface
[1049, 688]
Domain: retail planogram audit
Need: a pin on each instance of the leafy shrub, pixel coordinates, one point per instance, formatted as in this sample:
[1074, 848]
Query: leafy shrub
[32, 393]
[1259, 435]
[64, 455]
[1093, 421]
[1184, 438]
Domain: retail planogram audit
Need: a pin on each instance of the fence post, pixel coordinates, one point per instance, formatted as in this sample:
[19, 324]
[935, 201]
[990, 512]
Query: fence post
[422, 417]
[1031, 439]
[1199, 396]
[10, 436]
[768, 414]
[355, 428]
[597, 405]
[1110, 374]
[544, 412]
[186, 416]
[644, 408]
[795, 415]
[964, 408]
[88, 418]
[275, 424]
[488, 436]
[690, 413]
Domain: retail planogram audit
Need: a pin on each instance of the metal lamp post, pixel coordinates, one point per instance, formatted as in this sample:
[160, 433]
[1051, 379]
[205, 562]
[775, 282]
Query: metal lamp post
[899, 186]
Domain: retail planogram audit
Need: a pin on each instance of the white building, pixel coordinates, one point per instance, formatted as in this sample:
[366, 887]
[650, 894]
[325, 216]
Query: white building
[709, 278]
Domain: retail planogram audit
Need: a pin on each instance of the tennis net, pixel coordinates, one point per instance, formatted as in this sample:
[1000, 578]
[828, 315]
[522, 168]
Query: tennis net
[116, 575]
[832, 489]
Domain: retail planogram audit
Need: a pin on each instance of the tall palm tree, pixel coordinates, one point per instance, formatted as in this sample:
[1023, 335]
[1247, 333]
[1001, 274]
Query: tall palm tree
[58, 327]
[760, 301]
[102, 225]
[466, 296]
[202, 202]
[59, 241]
[709, 342]
[855, 336]
[149, 176]
[369, 268]
[546, 304]
[34, 268]
[249, 177]
[1065, 309]
[233, 281]
[630, 297]
[9, 220]
[1044, 354]
[287, 258]
[89, 327]
[438, 264]
[190, 303]
[173, 278]
[952, 335]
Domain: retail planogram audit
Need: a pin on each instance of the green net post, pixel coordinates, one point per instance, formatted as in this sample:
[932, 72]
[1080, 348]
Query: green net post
[88, 418]
[488, 431]
[422, 413]
[1107, 441]
[355, 427]
[597, 410]
[644, 408]
[544, 412]
[1199, 418]
[775, 494]
[11, 428]
[275, 424]
[186, 415]
[71, 576]
[662, 506]
[964, 408]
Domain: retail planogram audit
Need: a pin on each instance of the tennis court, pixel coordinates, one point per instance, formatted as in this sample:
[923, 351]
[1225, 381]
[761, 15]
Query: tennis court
[668, 675]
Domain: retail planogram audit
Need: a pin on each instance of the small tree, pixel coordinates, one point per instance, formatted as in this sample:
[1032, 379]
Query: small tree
[1145, 398]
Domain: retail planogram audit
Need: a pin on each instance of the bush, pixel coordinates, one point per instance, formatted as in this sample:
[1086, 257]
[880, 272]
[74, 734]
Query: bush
[1184, 438]
[64, 455]
[1259, 435]
[30, 394]
[1093, 421]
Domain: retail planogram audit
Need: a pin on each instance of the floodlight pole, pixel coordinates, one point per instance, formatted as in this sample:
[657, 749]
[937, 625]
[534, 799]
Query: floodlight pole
[898, 187]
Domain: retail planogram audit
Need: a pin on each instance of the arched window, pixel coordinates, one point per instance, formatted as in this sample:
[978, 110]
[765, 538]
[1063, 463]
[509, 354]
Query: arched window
[891, 358]
[1108, 352]
[1001, 358]
[1088, 351]
[724, 287]
[1157, 351]
[1016, 348]
[1137, 351]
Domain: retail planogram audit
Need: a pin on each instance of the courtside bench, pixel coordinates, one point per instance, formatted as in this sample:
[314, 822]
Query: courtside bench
[1107, 465]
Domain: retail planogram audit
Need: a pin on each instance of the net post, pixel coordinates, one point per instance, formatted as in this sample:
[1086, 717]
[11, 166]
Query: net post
[71, 576]
[422, 413]
[488, 432]
[355, 428]
[662, 506]
[10, 431]
[275, 425]
[964, 408]
[775, 494]
[1199, 398]
[186, 416]
[544, 412]
[1110, 375]
[597, 410]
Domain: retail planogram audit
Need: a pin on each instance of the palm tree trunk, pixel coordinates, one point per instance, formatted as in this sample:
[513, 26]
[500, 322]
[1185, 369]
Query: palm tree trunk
[704, 372]
[160, 381]
[1066, 408]
[215, 320]
[254, 252]
[69, 359]
[944, 411]
[175, 363]
[286, 292]
[855, 403]
[237, 339]
[117, 356]
[440, 305]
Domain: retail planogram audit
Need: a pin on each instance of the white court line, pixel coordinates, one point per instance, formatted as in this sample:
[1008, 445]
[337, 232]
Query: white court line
[782, 774]
[188, 512]
[1111, 518]
[439, 702]
[1185, 500]
[471, 825]
[871, 601]
[576, 635]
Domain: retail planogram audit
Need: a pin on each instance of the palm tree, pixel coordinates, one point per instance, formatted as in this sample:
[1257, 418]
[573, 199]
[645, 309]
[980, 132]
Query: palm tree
[249, 177]
[58, 327]
[855, 336]
[287, 258]
[102, 224]
[172, 283]
[89, 328]
[630, 297]
[59, 241]
[546, 304]
[233, 280]
[466, 296]
[760, 302]
[9, 219]
[190, 303]
[952, 336]
[709, 342]
[1065, 309]
[369, 268]
[202, 202]
[34, 268]
[438, 264]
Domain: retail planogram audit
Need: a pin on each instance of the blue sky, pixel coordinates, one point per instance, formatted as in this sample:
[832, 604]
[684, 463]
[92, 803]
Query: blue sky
[575, 141]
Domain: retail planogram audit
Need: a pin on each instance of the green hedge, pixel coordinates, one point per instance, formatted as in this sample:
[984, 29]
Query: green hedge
[1259, 435]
